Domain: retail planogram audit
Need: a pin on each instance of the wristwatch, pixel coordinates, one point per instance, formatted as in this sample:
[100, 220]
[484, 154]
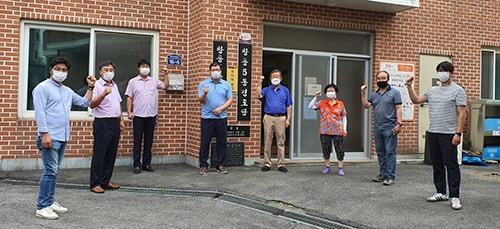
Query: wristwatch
[400, 123]
[459, 134]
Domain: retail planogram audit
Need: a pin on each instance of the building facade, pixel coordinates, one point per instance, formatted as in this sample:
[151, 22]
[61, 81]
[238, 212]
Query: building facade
[313, 42]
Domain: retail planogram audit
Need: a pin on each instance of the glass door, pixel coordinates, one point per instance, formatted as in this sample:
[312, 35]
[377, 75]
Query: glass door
[312, 73]
[351, 74]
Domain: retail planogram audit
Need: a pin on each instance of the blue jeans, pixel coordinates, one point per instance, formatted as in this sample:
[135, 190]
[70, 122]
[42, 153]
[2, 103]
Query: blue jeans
[51, 158]
[385, 144]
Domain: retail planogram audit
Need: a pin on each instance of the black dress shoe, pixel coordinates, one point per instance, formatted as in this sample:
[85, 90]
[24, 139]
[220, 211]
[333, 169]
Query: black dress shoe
[283, 169]
[148, 168]
[137, 170]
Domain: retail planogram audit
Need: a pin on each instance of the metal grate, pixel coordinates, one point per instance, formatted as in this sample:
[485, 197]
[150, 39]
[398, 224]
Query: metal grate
[258, 205]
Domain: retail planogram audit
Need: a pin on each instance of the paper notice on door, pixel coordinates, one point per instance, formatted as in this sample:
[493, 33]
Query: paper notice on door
[312, 89]
[308, 114]
[310, 80]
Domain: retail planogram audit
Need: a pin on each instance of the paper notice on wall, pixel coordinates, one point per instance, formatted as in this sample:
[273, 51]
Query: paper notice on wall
[398, 73]
[176, 82]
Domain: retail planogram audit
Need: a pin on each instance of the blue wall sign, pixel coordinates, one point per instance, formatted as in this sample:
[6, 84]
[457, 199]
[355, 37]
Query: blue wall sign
[174, 60]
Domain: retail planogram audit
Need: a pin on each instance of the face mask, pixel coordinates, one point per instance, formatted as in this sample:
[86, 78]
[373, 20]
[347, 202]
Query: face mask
[382, 84]
[443, 76]
[108, 76]
[144, 71]
[275, 81]
[216, 74]
[330, 94]
[59, 76]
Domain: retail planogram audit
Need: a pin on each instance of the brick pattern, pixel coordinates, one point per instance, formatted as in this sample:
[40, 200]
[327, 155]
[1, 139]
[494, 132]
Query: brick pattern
[167, 17]
[187, 28]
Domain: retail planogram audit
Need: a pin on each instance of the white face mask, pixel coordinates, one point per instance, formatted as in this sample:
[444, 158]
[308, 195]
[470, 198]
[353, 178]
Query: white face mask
[145, 71]
[59, 76]
[216, 74]
[443, 76]
[330, 94]
[275, 81]
[108, 76]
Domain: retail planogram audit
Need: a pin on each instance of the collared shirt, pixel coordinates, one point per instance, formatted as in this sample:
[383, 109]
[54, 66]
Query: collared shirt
[110, 106]
[443, 102]
[277, 99]
[144, 95]
[52, 108]
[384, 107]
[332, 117]
[218, 94]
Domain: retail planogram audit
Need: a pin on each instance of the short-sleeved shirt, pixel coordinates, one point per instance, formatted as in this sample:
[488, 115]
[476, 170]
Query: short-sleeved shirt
[332, 117]
[144, 95]
[276, 99]
[110, 106]
[52, 108]
[218, 94]
[384, 107]
[443, 102]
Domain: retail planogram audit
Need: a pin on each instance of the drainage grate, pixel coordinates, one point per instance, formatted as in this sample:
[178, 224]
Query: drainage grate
[283, 212]
[252, 204]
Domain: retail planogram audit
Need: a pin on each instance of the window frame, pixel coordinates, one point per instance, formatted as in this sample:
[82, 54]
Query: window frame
[26, 25]
[492, 77]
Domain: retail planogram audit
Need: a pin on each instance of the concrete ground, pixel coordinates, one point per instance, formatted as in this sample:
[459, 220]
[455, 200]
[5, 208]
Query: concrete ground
[353, 200]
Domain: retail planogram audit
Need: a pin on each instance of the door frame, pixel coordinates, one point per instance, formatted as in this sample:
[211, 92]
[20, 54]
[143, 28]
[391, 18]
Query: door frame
[297, 68]
[293, 91]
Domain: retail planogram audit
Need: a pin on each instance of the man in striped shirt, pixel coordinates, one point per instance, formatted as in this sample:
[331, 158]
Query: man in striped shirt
[447, 113]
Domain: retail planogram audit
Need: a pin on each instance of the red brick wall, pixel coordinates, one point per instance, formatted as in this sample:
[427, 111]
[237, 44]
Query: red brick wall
[453, 28]
[168, 17]
[449, 28]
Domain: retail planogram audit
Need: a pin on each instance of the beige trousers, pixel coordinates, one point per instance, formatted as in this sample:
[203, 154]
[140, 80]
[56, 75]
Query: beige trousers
[274, 126]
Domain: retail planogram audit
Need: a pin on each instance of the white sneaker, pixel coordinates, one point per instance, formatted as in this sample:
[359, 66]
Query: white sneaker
[46, 213]
[57, 208]
[437, 197]
[455, 203]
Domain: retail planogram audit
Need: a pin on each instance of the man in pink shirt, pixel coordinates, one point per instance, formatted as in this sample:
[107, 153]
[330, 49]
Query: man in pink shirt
[108, 124]
[142, 108]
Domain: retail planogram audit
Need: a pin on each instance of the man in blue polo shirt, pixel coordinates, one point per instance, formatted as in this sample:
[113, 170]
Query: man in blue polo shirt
[387, 108]
[215, 95]
[278, 113]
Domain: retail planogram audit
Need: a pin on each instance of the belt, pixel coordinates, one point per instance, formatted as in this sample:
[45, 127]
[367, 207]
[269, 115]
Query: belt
[277, 115]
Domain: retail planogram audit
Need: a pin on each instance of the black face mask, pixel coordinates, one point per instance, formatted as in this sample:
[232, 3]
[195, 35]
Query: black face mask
[382, 84]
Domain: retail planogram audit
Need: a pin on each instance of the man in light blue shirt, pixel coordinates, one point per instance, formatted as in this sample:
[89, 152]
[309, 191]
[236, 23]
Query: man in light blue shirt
[52, 102]
[215, 95]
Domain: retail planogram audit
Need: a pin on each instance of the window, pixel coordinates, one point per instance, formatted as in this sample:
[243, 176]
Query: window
[85, 48]
[490, 74]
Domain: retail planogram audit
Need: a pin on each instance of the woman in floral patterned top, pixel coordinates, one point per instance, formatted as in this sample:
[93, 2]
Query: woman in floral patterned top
[333, 125]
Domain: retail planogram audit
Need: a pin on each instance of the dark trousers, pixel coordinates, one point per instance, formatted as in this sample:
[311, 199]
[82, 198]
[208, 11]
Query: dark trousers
[326, 144]
[444, 162]
[106, 136]
[209, 127]
[143, 127]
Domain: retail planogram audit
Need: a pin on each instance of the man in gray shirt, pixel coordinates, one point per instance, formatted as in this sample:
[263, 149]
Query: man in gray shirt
[386, 102]
[447, 113]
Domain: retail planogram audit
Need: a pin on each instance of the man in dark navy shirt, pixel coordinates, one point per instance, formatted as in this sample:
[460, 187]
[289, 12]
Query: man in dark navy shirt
[278, 112]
